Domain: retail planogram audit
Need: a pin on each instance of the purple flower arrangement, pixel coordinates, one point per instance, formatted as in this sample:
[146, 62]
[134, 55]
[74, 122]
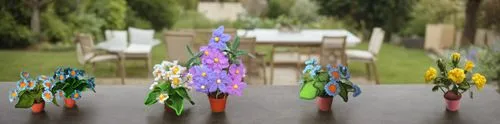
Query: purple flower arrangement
[217, 69]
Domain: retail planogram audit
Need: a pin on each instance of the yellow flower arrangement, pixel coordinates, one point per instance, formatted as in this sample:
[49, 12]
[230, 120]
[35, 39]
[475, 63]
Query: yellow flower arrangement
[479, 80]
[454, 81]
[468, 66]
[457, 75]
[430, 74]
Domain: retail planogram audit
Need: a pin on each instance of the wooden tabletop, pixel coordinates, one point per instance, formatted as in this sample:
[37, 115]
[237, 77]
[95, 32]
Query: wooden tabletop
[382, 104]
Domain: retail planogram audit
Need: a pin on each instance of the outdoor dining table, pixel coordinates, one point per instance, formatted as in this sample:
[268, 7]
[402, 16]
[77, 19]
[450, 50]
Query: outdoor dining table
[378, 104]
[311, 38]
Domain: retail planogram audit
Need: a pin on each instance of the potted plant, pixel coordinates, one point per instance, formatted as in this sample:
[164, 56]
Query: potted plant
[70, 83]
[170, 86]
[324, 84]
[33, 93]
[217, 69]
[454, 79]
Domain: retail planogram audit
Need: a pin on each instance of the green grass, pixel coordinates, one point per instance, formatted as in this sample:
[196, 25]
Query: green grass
[396, 65]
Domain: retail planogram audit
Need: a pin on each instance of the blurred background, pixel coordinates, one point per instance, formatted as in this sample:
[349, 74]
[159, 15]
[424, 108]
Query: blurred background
[39, 35]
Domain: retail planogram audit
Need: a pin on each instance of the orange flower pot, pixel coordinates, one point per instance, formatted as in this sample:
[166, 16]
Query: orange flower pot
[324, 103]
[38, 107]
[218, 105]
[69, 103]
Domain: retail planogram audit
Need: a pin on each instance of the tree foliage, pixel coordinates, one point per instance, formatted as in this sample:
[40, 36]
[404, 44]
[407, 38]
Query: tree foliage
[161, 13]
[434, 11]
[391, 15]
[277, 8]
[112, 11]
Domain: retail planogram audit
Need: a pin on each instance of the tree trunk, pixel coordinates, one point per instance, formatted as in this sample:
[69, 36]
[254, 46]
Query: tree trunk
[469, 32]
[35, 18]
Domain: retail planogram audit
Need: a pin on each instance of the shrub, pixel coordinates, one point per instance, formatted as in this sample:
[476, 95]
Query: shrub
[189, 4]
[54, 29]
[433, 11]
[86, 23]
[277, 8]
[161, 13]
[112, 11]
[12, 34]
[304, 10]
[133, 20]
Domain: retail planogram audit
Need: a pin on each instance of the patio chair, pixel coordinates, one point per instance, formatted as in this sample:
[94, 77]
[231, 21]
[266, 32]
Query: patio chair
[176, 43]
[253, 64]
[141, 44]
[332, 51]
[369, 57]
[87, 55]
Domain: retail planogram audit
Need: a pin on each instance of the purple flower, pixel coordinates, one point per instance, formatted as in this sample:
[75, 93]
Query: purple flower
[220, 82]
[202, 77]
[214, 59]
[236, 87]
[219, 39]
[237, 71]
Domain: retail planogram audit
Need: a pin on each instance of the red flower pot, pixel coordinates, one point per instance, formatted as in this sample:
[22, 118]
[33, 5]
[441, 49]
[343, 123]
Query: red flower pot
[218, 105]
[38, 107]
[324, 103]
[452, 101]
[69, 103]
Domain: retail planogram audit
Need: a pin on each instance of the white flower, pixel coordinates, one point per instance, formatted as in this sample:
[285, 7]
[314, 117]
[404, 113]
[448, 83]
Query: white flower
[189, 78]
[162, 98]
[177, 69]
[153, 85]
[176, 81]
[166, 75]
[169, 64]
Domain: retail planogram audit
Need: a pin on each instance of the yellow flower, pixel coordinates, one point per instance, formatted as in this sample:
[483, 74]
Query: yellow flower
[455, 57]
[457, 75]
[469, 65]
[479, 80]
[430, 74]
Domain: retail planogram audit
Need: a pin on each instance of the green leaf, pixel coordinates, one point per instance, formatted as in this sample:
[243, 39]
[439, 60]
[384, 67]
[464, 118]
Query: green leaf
[308, 91]
[189, 50]
[151, 97]
[25, 101]
[343, 92]
[176, 103]
[236, 43]
[183, 93]
[463, 86]
[163, 86]
[435, 88]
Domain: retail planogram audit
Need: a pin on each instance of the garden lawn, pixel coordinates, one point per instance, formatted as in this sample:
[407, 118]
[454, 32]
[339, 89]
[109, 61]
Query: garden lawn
[396, 65]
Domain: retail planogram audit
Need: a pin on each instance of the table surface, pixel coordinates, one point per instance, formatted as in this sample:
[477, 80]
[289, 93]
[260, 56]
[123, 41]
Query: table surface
[305, 36]
[383, 104]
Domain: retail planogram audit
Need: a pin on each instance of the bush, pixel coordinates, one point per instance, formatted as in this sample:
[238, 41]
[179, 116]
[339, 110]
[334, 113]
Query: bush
[54, 29]
[192, 20]
[304, 10]
[277, 8]
[433, 11]
[161, 13]
[112, 11]
[135, 21]
[13, 35]
[86, 23]
[189, 4]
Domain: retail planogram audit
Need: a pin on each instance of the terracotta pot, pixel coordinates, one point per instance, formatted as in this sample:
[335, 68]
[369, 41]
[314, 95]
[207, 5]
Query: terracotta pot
[452, 101]
[324, 103]
[69, 103]
[218, 105]
[38, 107]
[452, 105]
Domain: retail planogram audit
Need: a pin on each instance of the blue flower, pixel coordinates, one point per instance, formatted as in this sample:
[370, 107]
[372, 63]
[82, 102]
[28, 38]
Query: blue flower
[13, 95]
[312, 61]
[357, 90]
[24, 75]
[22, 84]
[91, 83]
[332, 88]
[307, 68]
[344, 71]
[47, 84]
[76, 95]
[315, 70]
[333, 73]
[47, 96]
[31, 84]
[219, 39]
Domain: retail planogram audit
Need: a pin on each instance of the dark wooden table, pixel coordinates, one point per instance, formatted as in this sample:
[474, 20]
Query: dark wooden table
[383, 104]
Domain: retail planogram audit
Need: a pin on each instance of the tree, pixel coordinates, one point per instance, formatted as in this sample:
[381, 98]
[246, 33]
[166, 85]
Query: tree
[161, 13]
[471, 9]
[36, 6]
[391, 15]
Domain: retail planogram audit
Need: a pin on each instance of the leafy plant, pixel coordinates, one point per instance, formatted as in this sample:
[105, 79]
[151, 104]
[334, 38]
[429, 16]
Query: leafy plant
[316, 81]
[455, 81]
[30, 91]
[71, 82]
[170, 86]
